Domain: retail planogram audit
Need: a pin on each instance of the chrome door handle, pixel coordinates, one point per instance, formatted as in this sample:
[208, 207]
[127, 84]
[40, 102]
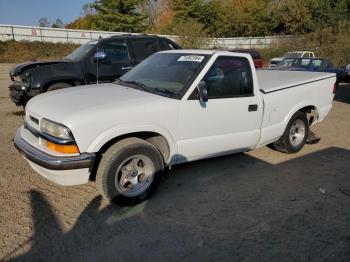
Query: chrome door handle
[127, 67]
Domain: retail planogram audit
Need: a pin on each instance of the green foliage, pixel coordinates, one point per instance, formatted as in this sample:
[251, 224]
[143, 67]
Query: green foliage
[118, 15]
[219, 18]
[85, 22]
[248, 18]
[329, 13]
[187, 23]
[191, 34]
[186, 9]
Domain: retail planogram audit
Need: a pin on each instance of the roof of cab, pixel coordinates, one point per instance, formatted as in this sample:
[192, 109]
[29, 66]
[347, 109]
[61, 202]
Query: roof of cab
[206, 52]
[203, 52]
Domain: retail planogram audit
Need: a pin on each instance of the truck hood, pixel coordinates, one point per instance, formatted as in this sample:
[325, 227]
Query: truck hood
[65, 105]
[20, 68]
[92, 111]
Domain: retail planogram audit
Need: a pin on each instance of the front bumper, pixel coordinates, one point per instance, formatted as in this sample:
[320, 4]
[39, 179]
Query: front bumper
[17, 92]
[63, 170]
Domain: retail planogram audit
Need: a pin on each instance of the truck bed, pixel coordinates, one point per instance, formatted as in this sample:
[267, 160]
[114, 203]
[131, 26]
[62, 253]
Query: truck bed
[274, 80]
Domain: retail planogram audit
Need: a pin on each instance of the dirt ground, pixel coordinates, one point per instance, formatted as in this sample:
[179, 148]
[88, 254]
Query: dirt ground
[258, 206]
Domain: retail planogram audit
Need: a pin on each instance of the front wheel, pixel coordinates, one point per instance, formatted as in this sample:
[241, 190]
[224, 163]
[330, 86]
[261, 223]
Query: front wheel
[295, 134]
[129, 171]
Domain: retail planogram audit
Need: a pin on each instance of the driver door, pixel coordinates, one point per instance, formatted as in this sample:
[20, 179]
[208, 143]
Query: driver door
[230, 121]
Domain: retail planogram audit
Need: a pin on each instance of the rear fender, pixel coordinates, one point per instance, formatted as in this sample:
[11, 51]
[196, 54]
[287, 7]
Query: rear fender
[297, 108]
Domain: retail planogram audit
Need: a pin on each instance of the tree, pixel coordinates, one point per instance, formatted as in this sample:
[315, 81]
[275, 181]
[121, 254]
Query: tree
[182, 17]
[151, 9]
[118, 15]
[191, 34]
[329, 13]
[218, 18]
[87, 10]
[58, 23]
[43, 22]
[164, 17]
[235, 18]
[187, 9]
[85, 22]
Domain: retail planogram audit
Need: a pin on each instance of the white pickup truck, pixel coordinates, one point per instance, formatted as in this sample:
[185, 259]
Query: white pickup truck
[295, 54]
[175, 107]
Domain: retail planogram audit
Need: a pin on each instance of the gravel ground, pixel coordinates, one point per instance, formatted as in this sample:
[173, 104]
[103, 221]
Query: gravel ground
[258, 206]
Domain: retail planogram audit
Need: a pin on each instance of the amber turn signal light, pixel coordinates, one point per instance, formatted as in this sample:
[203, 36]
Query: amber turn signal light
[65, 149]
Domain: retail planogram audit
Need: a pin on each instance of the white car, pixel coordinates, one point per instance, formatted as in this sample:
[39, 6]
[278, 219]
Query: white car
[294, 54]
[174, 107]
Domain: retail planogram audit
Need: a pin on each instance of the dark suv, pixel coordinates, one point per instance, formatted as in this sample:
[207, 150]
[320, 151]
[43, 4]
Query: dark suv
[96, 61]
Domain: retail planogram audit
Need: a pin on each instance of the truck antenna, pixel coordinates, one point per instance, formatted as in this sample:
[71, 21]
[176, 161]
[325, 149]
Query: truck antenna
[97, 75]
[97, 67]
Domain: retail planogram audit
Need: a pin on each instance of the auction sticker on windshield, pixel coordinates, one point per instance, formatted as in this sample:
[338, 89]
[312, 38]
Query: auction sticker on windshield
[191, 58]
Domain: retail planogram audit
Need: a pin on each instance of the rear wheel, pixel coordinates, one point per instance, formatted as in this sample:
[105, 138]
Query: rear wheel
[295, 134]
[129, 171]
[57, 86]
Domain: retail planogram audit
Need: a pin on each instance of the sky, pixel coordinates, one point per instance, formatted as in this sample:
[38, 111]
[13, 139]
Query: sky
[28, 12]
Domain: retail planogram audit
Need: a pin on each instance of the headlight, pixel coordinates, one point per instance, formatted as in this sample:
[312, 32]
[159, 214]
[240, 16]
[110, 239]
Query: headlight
[54, 129]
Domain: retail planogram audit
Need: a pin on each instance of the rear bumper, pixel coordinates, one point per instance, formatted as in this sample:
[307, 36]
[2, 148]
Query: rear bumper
[62, 170]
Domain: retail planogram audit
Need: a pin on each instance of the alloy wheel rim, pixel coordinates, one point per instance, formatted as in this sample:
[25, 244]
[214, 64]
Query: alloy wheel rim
[297, 133]
[134, 175]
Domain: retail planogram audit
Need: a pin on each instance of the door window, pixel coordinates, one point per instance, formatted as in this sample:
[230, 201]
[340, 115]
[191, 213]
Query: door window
[116, 51]
[316, 63]
[305, 62]
[169, 45]
[229, 77]
[143, 48]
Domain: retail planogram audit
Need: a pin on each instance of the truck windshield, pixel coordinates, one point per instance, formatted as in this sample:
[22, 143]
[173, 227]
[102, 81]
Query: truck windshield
[166, 74]
[81, 52]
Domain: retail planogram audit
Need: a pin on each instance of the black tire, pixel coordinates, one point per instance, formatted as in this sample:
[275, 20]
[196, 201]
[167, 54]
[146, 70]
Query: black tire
[111, 172]
[57, 86]
[286, 144]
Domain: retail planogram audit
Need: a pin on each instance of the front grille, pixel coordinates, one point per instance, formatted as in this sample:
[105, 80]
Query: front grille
[34, 119]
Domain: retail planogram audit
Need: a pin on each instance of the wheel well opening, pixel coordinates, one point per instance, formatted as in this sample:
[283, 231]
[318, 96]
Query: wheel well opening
[153, 138]
[311, 114]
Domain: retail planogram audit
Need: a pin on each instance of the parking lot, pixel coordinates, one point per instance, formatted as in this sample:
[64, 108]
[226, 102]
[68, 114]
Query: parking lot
[258, 206]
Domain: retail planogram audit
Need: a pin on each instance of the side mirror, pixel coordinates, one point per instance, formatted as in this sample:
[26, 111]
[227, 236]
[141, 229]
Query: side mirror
[202, 91]
[100, 56]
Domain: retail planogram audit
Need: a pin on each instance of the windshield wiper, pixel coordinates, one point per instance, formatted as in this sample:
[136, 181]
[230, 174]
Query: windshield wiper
[138, 84]
[164, 91]
[153, 90]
